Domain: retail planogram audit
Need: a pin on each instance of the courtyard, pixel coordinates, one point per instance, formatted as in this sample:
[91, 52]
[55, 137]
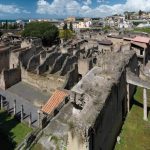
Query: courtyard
[135, 134]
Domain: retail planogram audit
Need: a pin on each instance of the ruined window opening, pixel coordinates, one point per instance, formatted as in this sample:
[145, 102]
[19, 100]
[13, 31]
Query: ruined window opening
[47, 67]
[141, 52]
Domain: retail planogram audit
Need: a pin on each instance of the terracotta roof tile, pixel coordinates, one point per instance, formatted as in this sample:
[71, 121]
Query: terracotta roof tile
[54, 101]
[141, 39]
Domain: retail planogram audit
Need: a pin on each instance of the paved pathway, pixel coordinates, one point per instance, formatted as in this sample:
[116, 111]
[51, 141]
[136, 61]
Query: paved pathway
[28, 106]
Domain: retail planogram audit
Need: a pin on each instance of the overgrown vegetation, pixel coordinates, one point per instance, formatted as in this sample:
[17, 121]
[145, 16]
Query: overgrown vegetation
[135, 134]
[12, 132]
[46, 31]
[66, 34]
[147, 30]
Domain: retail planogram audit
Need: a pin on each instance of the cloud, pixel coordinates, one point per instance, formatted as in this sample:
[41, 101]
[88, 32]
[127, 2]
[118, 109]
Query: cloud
[9, 9]
[26, 11]
[63, 8]
[87, 2]
[103, 1]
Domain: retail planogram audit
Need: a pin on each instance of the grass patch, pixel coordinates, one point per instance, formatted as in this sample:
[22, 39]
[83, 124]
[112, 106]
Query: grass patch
[135, 134]
[12, 132]
[147, 30]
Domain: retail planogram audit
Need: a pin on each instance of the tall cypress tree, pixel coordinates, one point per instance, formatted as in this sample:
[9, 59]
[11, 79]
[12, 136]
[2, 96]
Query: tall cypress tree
[65, 27]
[71, 26]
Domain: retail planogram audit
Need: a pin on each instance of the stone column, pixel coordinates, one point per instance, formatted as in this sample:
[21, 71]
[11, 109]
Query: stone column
[144, 59]
[39, 118]
[30, 119]
[14, 107]
[128, 97]
[145, 104]
[22, 112]
[8, 107]
[1, 102]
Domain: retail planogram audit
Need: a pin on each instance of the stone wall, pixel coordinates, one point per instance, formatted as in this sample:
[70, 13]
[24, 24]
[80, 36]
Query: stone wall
[44, 83]
[72, 78]
[109, 121]
[4, 59]
[58, 63]
[48, 63]
[34, 62]
[102, 133]
[84, 65]
[27, 54]
[10, 78]
[68, 64]
[14, 60]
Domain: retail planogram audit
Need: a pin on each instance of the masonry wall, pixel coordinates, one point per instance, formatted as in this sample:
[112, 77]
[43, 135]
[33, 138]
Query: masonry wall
[33, 63]
[72, 77]
[14, 60]
[58, 63]
[48, 63]
[27, 54]
[133, 65]
[108, 124]
[44, 83]
[83, 66]
[10, 77]
[4, 60]
[110, 119]
[68, 65]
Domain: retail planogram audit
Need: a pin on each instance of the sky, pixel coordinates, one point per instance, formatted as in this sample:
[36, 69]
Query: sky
[29, 9]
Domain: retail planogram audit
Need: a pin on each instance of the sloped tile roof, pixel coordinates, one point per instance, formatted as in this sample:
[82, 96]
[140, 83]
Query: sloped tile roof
[54, 101]
[141, 39]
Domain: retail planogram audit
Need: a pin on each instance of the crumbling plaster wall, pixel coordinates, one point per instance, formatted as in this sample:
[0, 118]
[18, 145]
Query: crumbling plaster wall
[71, 77]
[45, 83]
[68, 65]
[10, 77]
[27, 54]
[84, 65]
[14, 60]
[48, 62]
[4, 60]
[103, 133]
[58, 63]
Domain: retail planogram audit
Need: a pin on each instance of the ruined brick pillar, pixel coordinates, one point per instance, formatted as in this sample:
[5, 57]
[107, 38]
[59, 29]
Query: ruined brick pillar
[128, 97]
[8, 107]
[14, 107]
[1, 102]
[145, 104]
[39, 118]
[22, 113]
[30, 119]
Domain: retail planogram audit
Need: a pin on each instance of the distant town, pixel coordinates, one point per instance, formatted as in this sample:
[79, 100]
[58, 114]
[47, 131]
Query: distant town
[127, 20]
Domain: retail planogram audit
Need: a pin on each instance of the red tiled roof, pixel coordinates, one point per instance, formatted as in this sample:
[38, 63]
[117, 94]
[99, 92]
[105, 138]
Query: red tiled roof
[141, 39]
[54, 101]
[143, 45]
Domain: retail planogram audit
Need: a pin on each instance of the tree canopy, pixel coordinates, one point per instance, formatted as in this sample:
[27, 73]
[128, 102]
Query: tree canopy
[46, 31]
[66, 34]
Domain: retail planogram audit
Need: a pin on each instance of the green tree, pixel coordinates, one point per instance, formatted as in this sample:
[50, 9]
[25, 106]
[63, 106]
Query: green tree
[46, 31]
[140, 13]
[71, 26]
[66, 34]
[65, 27]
